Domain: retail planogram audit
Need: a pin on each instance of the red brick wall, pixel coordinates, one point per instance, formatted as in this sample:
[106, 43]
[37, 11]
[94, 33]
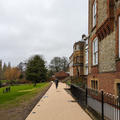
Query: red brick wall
[118, 66]
[105, 80]
[94, 70]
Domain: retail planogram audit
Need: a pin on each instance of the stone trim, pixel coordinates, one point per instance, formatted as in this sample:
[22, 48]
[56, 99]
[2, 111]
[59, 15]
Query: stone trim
[108, 25]
[105, 29]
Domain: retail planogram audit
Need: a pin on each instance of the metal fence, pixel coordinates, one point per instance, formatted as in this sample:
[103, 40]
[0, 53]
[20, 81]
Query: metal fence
[106, 105]
[79, 94]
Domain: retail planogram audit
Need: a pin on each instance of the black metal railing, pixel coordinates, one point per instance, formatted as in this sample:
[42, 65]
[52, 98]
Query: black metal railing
[79, 94]
[104, 104]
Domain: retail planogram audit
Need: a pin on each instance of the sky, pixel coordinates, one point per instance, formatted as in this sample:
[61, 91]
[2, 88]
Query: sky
[45, 27]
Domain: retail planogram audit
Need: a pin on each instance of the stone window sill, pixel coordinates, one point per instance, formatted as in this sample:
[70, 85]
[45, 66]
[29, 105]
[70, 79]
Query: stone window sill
[94, 65]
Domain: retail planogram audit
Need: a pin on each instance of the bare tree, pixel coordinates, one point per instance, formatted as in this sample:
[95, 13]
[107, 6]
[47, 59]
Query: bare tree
[57, 64]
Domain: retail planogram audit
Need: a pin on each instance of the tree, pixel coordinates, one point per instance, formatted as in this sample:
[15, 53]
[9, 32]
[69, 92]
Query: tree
[36, 70]
[22, 67]
[4, 67]
[0, 69]
[12, 74]
[3, 71]
[49, 74]
[0, 83]
[64, 61]
[57, 64]
[9, 65]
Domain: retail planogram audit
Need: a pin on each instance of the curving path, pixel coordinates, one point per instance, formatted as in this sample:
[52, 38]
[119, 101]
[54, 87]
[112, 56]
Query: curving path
[57, 105]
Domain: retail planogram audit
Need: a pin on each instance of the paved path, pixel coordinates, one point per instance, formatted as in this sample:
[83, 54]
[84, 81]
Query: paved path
[57, 105]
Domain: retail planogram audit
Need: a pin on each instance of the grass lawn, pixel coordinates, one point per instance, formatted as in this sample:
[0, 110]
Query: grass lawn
[4, 81]
[19, 94]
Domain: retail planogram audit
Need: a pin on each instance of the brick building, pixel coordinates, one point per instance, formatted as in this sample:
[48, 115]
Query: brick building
[85, 63]
[61, 75]
[104, 45]
[71, 65]
[77, 59]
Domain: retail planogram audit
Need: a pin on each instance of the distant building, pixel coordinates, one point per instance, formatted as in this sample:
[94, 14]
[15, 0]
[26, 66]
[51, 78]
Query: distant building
[86, 56]
[78, 59]
[61, 75]
[71, 65]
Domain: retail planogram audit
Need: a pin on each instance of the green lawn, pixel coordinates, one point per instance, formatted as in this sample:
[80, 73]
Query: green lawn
[19, 94]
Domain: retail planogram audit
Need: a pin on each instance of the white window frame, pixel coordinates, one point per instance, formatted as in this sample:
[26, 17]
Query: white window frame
[78, 47]
[94, 13]
[119, 37]
[87, 42]
[86, 56]
[95, 51]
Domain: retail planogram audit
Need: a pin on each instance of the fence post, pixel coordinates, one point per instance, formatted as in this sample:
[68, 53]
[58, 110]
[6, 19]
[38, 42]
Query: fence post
[102, 100]
[86, 96]
[118, 106]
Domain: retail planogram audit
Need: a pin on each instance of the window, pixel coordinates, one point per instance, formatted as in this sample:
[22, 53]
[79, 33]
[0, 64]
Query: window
[87, 42]
[94, 13]
[95, 51]
[78, 47]
[86, 62]
[86, 70]
[78, 59]
[86, 52]
[119, 36]
[94, 84]
[118, 89]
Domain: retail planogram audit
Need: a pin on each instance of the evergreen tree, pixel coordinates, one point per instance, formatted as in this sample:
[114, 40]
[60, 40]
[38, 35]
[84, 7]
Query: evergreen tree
[4, 67]
[36, 70]
[9, 65]
[0, 69]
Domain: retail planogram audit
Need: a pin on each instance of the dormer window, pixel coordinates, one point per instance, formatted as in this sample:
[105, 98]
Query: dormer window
[94, 13]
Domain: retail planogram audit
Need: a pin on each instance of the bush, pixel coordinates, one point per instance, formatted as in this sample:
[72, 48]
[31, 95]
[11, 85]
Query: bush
[0, 83]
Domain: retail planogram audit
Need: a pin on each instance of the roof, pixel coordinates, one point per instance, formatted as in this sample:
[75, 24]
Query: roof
[61, 74]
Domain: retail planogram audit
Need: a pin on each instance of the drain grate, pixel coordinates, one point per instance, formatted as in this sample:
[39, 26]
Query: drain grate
[34, 112]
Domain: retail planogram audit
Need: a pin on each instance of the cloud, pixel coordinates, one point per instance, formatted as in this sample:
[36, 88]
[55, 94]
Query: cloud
[47, 27]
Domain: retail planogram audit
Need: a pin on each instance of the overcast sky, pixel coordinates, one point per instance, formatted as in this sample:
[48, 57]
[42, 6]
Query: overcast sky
[47, 27]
